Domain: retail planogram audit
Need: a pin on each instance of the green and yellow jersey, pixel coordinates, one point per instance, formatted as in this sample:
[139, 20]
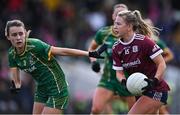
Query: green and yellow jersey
[105, 35]
[109, 80]
[38, 61]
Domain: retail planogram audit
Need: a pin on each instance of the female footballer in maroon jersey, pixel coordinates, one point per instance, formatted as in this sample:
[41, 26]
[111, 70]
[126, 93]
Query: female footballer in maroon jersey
[135, 52]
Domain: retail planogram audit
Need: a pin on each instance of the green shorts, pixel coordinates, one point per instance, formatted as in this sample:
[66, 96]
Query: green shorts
[57, 100]
[115, 86]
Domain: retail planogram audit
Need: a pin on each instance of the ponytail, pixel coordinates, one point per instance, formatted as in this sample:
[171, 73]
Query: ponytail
[143, 27]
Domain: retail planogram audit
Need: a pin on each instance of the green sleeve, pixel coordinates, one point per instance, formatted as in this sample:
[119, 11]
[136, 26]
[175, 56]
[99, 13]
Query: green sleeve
[161, 44]
[43, 49]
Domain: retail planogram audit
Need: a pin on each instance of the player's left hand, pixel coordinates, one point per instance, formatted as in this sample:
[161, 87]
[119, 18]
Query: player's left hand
[151, 83]
[13, 88]
[95, 54]
[96, 66]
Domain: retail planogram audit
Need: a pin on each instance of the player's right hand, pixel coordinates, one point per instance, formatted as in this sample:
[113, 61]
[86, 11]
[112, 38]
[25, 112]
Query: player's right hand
[96, 66]
[13, 88]
[98, 52]
[95, 54]
[151, 83]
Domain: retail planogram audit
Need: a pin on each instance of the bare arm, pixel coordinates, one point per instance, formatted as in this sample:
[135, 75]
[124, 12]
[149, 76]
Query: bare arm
[15, 76]
[167, 55]
[68, 51]
[161, 66]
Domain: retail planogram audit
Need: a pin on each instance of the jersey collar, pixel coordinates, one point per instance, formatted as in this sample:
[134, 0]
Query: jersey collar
[127, 43]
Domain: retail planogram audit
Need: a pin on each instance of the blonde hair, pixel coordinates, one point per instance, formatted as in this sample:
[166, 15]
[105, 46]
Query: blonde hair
[139, 25]
[155, 36]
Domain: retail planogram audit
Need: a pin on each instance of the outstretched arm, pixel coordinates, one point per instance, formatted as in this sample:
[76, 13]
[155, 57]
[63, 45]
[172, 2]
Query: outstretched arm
[68, 51]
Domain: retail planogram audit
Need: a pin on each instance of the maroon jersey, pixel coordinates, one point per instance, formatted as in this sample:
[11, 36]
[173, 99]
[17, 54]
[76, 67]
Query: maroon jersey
[136, 56]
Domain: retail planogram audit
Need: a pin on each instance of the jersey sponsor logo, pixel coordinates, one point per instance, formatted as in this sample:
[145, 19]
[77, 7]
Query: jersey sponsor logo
[132, 64]
[28, 63]
[31, 60]
[30, 69]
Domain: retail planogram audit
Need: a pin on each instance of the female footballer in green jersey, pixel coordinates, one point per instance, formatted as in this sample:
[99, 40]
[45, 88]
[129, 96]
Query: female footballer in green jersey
[37, 58]
[108, 85]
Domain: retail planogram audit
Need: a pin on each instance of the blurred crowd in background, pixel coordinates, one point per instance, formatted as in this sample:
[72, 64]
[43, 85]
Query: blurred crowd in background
[73, 23]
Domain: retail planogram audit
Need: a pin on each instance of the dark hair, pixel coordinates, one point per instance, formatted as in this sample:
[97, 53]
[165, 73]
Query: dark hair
[139, 25]
[11, 23]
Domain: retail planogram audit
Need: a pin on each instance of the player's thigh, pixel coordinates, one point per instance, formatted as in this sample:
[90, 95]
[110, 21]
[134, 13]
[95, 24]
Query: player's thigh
[38, 107]
[145, 105]
[102, 96]
[49, 110]
[39, 102]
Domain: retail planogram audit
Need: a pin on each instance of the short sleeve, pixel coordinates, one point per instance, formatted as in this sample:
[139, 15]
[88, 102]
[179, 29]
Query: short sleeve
[43, 49]
[152, 48]
[116, 60]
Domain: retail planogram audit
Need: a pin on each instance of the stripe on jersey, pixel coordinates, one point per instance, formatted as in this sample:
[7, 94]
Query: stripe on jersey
[54, 104]
[64, 102]
[156, 54]
[49, 54]
[49, 70]
[117, 68]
